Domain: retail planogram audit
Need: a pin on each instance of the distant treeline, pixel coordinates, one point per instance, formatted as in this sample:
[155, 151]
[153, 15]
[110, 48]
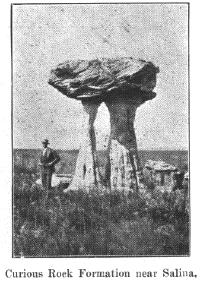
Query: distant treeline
[28, 159]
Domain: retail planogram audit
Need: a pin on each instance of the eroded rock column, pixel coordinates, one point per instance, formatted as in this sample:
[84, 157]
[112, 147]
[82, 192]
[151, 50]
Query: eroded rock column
[87, 173]
[123, 84]
[124, 160]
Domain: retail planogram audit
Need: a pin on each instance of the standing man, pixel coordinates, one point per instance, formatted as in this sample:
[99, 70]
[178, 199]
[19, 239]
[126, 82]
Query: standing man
[48, 159]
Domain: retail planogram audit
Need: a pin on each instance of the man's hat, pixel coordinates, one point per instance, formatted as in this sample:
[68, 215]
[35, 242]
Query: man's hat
[45, 141]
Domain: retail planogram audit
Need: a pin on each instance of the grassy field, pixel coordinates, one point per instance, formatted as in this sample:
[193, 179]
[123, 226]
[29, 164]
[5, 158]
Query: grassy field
[149, 223]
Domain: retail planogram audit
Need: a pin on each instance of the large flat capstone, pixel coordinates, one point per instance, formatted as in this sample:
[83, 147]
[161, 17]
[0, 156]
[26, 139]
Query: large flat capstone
[105, 78]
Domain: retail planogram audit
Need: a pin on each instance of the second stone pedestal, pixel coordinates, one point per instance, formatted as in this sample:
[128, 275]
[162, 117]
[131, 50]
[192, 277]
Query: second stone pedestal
[124, 160]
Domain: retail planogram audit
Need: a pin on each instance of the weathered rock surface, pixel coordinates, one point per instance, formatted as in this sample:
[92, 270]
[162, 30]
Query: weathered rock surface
[103, 78]
[159, 166]
[161, 174]
[124, 158]
[87, 174]
[123, 84]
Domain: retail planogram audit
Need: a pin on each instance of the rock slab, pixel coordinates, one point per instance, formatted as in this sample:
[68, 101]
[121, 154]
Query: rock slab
[104, 78]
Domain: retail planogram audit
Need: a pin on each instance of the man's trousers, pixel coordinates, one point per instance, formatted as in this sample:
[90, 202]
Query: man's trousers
[46, 176]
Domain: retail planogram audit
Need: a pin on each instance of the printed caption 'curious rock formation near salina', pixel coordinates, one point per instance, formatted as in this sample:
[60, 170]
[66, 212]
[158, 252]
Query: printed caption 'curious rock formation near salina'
[123, 84]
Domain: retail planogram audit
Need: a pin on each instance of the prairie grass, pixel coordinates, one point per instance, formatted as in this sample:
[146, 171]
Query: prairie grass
[113, 223]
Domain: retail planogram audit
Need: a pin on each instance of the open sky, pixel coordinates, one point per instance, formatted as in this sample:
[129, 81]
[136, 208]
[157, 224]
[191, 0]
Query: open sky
[46, 35]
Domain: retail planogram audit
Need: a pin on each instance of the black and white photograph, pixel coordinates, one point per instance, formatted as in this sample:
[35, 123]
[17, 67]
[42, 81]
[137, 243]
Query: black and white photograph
[100, 130]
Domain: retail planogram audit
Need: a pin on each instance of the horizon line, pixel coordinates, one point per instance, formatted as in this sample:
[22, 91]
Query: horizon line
[140, 149]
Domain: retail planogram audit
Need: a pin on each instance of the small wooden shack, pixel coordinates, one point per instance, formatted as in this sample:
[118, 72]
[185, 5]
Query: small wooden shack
[160, 173]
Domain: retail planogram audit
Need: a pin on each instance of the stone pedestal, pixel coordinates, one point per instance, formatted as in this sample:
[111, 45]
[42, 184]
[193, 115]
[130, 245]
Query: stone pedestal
[87, 173]
[123, 84]
[124, 160]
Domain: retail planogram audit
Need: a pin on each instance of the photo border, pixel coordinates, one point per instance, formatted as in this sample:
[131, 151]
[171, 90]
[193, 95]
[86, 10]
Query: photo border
[12, 131]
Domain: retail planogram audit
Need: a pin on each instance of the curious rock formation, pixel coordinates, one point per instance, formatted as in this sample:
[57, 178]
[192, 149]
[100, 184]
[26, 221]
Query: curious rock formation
[123, 84]
[160, 173]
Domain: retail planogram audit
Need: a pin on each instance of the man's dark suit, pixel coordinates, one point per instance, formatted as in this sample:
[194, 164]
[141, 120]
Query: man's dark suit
[48, 160]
